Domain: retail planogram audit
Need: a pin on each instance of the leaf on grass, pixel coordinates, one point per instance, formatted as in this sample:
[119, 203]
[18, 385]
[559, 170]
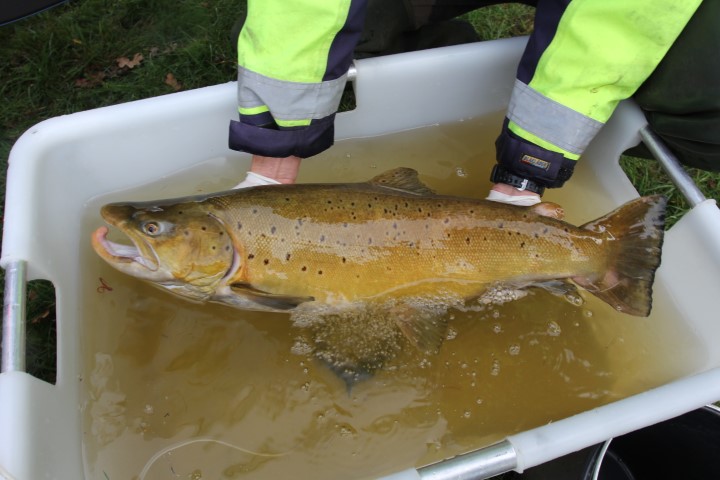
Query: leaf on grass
[90, 80]
[124, 62]
[172, 82]
[40, 316]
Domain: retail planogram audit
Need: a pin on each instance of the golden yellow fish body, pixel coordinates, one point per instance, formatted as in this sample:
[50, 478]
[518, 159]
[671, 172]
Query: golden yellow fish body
[340, 243]
[276, 247]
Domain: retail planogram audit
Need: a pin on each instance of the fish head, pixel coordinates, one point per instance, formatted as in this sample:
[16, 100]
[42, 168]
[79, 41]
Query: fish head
[181, 247]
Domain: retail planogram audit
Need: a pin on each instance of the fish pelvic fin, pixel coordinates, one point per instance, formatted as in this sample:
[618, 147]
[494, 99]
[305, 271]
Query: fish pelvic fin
[424, 330]
[636, 230]
[267, 299]
[403, 179]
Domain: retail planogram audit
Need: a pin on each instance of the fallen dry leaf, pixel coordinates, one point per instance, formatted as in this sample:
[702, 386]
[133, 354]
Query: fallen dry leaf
[171, 81]
[124, 62]
[90, 80]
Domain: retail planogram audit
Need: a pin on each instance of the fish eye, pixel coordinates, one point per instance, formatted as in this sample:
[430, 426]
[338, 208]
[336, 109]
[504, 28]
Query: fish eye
[151, 228]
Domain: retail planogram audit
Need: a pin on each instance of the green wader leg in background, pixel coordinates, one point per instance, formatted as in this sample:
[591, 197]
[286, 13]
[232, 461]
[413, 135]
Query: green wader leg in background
[396, 26]
[681, 99]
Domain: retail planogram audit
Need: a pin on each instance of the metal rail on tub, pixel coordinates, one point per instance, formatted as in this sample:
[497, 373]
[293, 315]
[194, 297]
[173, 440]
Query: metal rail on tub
[13, 340]
[672, 167]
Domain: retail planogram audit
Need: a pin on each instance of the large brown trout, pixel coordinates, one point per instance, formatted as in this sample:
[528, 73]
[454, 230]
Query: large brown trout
[388, 242]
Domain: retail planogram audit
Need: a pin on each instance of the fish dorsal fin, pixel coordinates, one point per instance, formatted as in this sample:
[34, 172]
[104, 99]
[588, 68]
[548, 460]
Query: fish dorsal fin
[403, 179]
[267, 299]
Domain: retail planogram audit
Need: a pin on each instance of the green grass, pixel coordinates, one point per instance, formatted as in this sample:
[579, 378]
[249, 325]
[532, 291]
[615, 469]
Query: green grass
[66, 60]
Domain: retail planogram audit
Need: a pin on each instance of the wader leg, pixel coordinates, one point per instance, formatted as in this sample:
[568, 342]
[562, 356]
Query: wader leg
[681, 99]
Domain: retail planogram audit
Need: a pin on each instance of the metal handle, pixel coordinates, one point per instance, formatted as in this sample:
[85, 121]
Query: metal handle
[672, 167]
[13, 340]
[483, 463]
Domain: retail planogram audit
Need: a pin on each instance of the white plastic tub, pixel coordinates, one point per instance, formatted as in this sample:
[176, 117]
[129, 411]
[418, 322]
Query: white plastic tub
[60, 165]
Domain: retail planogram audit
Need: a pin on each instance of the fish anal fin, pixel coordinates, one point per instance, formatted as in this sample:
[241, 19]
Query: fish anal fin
[425, 330]
[267, 299]
[403, 179]
[634, 233]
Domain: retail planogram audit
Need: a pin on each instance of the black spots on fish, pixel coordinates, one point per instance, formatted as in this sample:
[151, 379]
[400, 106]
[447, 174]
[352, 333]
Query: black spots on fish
[186, 233]
[320, 272]
[227, 248]
[254, 211]
[213, 247]
[545, 231]
[304, 268]
[501, 225]
[322, 238]
[239, 225]
[287, 257]
[467, 240]
[251, 256]
[446, 221]
[203, 228]
[287, 199]
[273, 229]
[344, 260]
[266, 261]
[370, 241]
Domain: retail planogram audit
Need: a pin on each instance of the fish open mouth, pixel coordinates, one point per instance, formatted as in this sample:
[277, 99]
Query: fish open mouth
[119, 254]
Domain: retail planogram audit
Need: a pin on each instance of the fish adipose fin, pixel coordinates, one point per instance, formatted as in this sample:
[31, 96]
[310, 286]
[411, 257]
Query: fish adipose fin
[278, 302]
[636, 230]
[403, 179]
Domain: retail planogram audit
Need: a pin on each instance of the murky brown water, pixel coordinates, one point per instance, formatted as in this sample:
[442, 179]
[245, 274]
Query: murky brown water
[178, 390]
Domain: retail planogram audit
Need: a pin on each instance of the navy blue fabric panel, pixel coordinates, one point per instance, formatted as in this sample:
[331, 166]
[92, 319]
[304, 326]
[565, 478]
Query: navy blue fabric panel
[547, 18]
[270, 142]
[341, 49]
[263, 119]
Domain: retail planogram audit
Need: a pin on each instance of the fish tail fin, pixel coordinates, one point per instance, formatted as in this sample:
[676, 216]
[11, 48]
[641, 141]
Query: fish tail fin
[636, 230]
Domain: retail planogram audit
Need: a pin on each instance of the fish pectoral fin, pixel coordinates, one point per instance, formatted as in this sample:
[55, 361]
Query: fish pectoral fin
[267, 299]
[425, 330]
[403, 179]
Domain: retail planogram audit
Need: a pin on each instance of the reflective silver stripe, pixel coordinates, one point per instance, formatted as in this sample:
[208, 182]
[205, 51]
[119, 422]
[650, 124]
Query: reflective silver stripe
[289, 100]
[543, 117]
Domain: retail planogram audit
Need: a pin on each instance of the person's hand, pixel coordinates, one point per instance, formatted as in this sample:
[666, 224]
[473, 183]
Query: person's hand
[504, 193]
[271, 171]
